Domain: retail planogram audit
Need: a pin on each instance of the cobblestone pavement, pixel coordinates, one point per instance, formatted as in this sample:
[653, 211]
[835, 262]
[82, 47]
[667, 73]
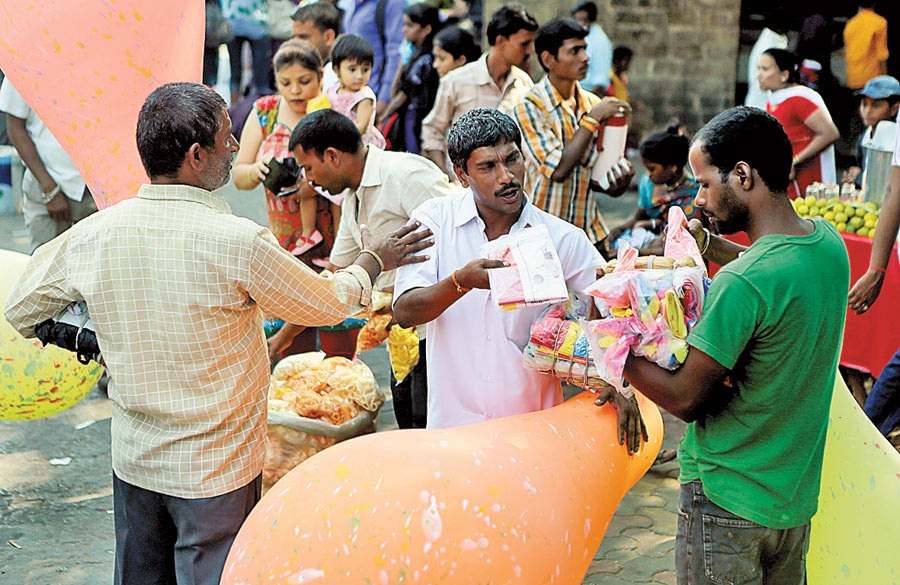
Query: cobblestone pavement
[56, 521]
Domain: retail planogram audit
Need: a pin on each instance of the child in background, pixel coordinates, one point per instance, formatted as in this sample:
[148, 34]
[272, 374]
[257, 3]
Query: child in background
[454, 47]
[352, 58]
[664, 154]
[618, 80]
[879, 100]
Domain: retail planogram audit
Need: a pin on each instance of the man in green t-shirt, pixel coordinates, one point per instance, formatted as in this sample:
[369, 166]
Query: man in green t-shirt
[756, 387]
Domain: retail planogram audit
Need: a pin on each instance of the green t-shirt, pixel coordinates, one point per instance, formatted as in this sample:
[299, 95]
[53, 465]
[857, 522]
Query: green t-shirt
[775, 318]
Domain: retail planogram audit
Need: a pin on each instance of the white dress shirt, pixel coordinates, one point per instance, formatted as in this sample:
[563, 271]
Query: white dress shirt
[474, 348]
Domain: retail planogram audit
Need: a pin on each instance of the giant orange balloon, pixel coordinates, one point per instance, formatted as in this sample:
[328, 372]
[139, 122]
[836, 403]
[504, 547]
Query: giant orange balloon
[86, 67]
[523, 499]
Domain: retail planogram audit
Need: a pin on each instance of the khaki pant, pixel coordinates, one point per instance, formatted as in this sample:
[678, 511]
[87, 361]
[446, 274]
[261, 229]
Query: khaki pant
[41, 228]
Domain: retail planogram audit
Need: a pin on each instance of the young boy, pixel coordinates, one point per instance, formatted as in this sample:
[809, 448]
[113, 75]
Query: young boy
[879, 100]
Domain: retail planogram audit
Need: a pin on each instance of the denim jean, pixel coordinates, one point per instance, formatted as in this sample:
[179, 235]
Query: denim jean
[715, 547]
[883, 404]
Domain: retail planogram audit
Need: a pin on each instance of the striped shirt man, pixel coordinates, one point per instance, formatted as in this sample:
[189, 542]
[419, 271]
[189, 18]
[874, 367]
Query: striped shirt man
[547, 124]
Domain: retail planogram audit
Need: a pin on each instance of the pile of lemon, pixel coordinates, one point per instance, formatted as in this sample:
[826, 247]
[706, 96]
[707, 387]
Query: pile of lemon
[852, 218]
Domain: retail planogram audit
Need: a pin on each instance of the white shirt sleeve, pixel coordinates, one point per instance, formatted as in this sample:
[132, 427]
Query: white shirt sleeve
[420, 274]
[11, 101]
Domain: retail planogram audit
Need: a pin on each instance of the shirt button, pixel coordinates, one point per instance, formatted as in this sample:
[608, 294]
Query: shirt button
[488, 379]
[488, 337]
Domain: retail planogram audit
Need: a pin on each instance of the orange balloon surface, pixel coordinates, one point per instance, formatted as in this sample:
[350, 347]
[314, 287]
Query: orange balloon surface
[522, 499]
[86, 67]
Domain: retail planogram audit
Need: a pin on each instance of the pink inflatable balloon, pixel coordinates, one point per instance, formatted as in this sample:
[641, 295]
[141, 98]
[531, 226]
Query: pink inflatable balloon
[523, 499]
[86, 66]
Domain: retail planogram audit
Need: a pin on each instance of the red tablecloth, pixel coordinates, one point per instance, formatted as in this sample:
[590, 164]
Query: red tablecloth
[870, 339]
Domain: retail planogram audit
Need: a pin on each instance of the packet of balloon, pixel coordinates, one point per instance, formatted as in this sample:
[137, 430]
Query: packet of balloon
[646, 311]
[534, 275]
[558, 345]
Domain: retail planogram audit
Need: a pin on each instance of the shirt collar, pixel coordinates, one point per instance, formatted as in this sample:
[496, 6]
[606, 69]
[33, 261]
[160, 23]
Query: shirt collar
[371, 175]
[467, 212]
[184, 193]
[556, 100]
[482, 75]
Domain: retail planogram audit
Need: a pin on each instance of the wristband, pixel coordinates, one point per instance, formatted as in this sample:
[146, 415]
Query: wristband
[592, 124]
[48, 197]
[706, 244]
[876, 269]
[373, 254]
[459, 288]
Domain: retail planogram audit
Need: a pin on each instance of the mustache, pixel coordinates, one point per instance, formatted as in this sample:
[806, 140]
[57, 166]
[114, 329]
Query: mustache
[514, 186]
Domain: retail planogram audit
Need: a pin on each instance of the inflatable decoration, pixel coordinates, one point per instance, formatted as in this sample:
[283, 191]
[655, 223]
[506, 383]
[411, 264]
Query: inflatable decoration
[852, 542]
[36, 381]
[86, 67]
[522, 499]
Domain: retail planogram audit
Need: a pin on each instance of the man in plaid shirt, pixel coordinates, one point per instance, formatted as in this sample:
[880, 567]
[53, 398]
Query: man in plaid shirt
[560, 121]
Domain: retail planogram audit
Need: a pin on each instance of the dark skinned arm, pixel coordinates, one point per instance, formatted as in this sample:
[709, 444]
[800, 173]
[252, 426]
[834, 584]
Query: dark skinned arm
[574, 150]
[686, 392]
[58, 208]
[421, 305]
[720, 250]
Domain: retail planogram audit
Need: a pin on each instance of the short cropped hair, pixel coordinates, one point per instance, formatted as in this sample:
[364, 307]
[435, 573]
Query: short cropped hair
[353, 48]
[508, 20]
[297, 52]
[750, 135]
[325, 129]
[589, 9]
[553, 33]
[173, 118]
[477, 128]
[622, 53]
[669, 147]
[323, 15]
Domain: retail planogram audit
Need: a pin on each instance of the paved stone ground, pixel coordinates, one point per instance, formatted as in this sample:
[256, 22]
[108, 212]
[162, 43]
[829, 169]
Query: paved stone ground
[56, 522]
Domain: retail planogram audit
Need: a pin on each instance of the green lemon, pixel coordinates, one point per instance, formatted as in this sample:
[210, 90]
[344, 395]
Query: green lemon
[841, 226]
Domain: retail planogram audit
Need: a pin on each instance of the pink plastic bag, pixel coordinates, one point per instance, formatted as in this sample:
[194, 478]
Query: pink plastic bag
[679, 241]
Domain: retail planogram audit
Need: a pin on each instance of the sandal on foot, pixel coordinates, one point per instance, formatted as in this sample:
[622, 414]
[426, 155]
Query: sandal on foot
[305, 244]
[665, 455]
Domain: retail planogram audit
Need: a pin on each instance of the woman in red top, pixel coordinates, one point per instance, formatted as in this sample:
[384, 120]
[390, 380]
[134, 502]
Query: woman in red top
[805, 118]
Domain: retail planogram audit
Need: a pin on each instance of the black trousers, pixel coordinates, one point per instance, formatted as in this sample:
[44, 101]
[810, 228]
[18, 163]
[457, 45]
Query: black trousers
[164, 540]
[410, 396]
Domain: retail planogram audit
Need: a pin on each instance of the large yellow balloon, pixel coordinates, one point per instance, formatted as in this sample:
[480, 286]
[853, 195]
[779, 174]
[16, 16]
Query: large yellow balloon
[36, 381]
[523, 499]
[853, 539]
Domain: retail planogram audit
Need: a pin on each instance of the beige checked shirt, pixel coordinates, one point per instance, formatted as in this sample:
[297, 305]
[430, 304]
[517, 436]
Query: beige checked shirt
[467, 88]
[393, 184]
[176, 286]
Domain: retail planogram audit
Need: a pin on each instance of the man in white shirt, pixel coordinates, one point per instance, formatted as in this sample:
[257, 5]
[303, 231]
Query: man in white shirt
[55, 196]
[382, 190]
[319, 23]
[475, 369]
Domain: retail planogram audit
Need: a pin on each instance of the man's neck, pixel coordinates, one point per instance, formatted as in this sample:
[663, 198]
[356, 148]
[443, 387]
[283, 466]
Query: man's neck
[776, 216]
[358, 166]
[177, 180]
[497, 224]
[565, 87]
[497, 67]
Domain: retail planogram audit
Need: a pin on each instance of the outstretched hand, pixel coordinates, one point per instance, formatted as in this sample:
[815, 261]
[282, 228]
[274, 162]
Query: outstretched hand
[628, 414]
[398, 248]
[865, 291]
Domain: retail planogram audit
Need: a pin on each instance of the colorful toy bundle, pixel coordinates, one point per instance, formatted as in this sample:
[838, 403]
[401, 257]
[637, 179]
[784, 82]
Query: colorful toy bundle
[647, 306]
[534, 275]
[559, 346]
[648, 312]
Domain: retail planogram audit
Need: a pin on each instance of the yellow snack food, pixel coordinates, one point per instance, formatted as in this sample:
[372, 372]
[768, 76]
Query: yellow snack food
[403, 348]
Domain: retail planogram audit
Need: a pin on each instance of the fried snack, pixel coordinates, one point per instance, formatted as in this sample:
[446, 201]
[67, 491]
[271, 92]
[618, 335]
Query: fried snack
[294, 364]
[380, 300]
[313, 380]
[373, 333]
[403, 347]
[332, 409]
[357, 384]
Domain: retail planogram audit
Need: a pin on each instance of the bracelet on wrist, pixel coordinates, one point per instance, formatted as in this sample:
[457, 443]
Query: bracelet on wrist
[591, 124]
[50, 195]
[706, 243]
[374, 255]
[876, 269]
[459, 288]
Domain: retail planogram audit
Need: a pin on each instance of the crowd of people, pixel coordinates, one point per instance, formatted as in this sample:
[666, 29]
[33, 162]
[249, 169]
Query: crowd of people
[407, 148]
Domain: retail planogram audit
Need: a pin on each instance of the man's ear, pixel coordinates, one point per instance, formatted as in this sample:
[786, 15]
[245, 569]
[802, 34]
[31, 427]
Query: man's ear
[744, 174]
[197, 156]
[894, 110]
[332, 156]
[545, 58]
[328, 35]
[462, 176]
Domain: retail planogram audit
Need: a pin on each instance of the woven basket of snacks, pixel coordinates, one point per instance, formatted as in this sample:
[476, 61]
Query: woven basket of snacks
[315, 402]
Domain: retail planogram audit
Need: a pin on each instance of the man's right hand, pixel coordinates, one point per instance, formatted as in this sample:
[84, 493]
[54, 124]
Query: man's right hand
[58, 209]
[475, 273]
[609, 107]
[398, 248]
